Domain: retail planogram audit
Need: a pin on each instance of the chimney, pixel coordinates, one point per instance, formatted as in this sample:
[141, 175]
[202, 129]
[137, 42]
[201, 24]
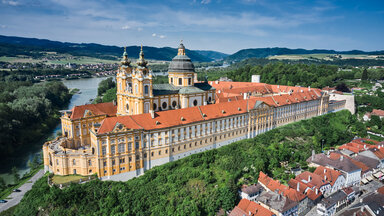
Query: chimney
[325, 170]
[250, 213]
[309, 88]
[217, 82]
[309, 178]
[298, 186]
[317, 191]
[152, 113]
[245, 96]
[325, 178]
[341, 158]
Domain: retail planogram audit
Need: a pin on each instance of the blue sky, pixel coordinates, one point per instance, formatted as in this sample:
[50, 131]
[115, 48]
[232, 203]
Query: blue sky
[220, 25]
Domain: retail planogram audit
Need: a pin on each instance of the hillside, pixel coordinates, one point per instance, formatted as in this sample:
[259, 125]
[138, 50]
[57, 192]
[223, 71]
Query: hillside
[13, 46]
[212, 54]
[266, 52]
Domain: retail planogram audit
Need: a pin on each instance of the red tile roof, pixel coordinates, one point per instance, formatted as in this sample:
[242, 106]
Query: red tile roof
[311, 179]
[329, 175]
[305, 189]
[108, 109]
[177, 117]
[275, 185]
[377, 112]
[245, 207]
[381, 190]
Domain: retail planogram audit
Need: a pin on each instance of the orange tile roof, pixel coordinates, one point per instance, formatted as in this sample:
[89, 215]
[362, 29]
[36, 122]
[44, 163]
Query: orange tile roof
[364, 140]
[171, 118]
[259, 88]
[377, 112]
[329, 175]
[309, 191]
[245, 207]
[315, 180]
[108, 109]
[275, 185]
[381, 190]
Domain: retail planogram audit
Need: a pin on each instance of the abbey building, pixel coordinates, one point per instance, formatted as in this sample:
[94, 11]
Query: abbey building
[152, 124]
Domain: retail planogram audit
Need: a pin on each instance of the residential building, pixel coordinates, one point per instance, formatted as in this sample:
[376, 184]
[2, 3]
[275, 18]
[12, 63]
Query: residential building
[339, 162]
[278, 204]
[251, 192]
[315, 182]
[250, 208]
[334, 177]
[273, 185]
[332, 204]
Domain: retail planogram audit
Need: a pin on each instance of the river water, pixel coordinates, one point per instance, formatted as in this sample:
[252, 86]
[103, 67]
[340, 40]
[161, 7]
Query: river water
[88, 90]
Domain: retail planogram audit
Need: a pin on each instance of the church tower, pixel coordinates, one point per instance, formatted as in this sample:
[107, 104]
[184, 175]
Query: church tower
[134, 87]
[181, 71]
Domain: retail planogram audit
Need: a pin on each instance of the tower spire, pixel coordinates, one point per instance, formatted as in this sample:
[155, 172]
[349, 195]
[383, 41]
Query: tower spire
[141, 62]
[125, 60]
[181, 49]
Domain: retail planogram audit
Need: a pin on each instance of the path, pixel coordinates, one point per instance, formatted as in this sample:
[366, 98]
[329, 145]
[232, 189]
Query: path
[17, 196]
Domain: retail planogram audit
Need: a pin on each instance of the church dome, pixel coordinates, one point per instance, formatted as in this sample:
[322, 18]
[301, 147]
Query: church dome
[181, 62]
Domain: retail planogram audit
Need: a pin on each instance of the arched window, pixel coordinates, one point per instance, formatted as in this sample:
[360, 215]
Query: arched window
[209, 99]
[174, 104]
[154, 106]
[146, 90]
[164, 105]
[195, 103]
[180, 81]
[136, 89]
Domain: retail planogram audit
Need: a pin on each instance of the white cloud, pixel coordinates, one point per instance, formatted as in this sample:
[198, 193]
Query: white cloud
[139, 29]
[3, 26]
[161, 36]
[205, 1]
[154, 35]
[125, 27]
[10, 2]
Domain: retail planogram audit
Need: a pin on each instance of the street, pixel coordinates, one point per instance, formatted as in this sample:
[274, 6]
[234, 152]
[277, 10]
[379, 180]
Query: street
[17, 196]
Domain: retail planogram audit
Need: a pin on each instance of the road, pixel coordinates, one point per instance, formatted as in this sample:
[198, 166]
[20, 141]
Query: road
[17, 196]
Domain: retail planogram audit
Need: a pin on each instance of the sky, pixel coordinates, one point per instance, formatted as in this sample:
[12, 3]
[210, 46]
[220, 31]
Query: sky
[220, 25]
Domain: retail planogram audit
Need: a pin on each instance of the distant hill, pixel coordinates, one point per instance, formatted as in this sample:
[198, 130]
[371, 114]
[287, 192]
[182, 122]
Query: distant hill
[212, 54]
[12, 46]
[265, 52]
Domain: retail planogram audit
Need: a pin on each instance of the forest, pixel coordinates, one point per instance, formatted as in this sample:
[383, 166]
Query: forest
[27, 112]
[200, 184]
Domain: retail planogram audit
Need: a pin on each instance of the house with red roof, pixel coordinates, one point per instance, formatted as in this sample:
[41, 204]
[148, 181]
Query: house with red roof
[270, 184]
[334, 177]
[250, 208]
[315, 182]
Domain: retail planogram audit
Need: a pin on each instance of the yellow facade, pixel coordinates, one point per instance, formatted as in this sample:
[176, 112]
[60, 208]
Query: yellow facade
[124, 152]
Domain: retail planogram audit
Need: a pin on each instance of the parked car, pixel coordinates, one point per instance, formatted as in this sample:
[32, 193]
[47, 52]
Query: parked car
[16, 190]
[3, 201]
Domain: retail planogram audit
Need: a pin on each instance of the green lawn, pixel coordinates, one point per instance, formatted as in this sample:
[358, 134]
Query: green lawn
[68, 178]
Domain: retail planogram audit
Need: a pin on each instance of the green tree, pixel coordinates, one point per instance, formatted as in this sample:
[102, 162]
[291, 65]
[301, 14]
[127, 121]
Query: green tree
[15, 174]
[105, 85]
[364, 75]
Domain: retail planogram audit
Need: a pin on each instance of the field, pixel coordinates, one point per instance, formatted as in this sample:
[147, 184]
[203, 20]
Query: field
[324, 56]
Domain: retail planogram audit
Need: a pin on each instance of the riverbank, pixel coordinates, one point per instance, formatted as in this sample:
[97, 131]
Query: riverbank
[5, 193]
[88, 89]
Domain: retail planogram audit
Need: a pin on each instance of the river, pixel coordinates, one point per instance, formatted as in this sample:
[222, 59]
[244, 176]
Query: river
[88, 90]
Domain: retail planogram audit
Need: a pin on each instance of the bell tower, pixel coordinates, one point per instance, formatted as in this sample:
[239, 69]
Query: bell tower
[134, 91]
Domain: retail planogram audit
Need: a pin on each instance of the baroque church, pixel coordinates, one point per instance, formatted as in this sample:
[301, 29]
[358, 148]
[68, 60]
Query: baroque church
[152, 124]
